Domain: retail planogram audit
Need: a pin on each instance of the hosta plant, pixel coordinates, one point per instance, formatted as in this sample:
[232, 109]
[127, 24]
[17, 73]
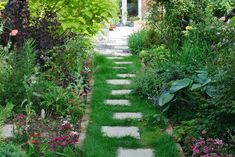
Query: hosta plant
[197, 82]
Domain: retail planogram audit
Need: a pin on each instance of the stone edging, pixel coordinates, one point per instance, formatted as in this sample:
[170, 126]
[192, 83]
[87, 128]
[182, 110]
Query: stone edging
[85, 118]
[169, 130]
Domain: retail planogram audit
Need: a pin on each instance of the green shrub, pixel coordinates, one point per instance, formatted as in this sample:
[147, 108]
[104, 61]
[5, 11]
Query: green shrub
[64, 63]
[148, 84]
[169, 19]
[137, 41]
[56, 100]
[163, 87]
[219, 112]
[156, 56]
[219, 8]
[10, 150]
[5, 73]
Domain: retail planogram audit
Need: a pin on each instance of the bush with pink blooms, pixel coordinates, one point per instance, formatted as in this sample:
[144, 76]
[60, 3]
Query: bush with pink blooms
[207, 148]
[21, 128]
[67, 138]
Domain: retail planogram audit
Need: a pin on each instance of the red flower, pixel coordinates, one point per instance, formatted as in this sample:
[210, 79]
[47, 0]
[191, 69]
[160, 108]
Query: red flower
[35, 135]
[14, 32]
[33, 142]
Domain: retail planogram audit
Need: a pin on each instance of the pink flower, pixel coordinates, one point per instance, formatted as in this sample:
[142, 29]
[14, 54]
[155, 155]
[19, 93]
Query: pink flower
[205, 149]
[218, 142]
[201, 142]
[20, 116]
[215, 155]
[196, 150]
[204, 132]
[66, 127]
[14, 32]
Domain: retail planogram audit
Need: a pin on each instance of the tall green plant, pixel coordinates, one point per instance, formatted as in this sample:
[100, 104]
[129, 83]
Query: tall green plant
[21, 77]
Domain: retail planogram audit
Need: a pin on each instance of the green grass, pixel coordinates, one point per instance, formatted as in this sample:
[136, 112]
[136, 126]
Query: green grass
[101, 115]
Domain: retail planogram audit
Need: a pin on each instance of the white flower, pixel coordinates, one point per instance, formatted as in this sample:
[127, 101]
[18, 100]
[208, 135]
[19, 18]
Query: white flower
[74, 133]
[65, 122]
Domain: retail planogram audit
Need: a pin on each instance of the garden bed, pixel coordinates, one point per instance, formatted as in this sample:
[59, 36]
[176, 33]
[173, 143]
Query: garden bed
[189, 72]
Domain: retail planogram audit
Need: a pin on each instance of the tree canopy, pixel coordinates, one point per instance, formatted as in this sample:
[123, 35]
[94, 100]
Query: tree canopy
[83, 16]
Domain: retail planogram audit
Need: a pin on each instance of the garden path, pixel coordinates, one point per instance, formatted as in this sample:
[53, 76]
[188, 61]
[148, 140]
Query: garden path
[114, 46]
[114, 43]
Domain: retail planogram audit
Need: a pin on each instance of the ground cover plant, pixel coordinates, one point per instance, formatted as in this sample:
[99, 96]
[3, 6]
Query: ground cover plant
[45, 58]
[188, 72]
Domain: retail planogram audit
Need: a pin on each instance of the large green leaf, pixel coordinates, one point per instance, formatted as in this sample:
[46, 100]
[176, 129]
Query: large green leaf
[202, 78]
[180, 84]
[210, 91]
[165, 98]
[196, 86]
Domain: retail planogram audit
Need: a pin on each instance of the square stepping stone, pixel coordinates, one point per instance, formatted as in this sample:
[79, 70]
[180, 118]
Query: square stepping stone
[121, 53]
[119, 67]
[123, 47]
[120, 92]
[7, 131]
[118, 102]
[123, 63]
[120, 131]
[127, 115]
[125, 75]
[119, 82]
[122, 152]
[115, 58]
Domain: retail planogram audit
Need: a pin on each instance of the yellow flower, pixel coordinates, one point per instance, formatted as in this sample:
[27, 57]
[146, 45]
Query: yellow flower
[184, 32]
[189, 27]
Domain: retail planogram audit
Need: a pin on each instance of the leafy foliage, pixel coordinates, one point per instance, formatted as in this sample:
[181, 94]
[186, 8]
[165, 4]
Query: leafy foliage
[21, 77]
[189, 75]
[10, 150]
[56, 100]
[150, 56]
[137, 41]
[83, 16]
